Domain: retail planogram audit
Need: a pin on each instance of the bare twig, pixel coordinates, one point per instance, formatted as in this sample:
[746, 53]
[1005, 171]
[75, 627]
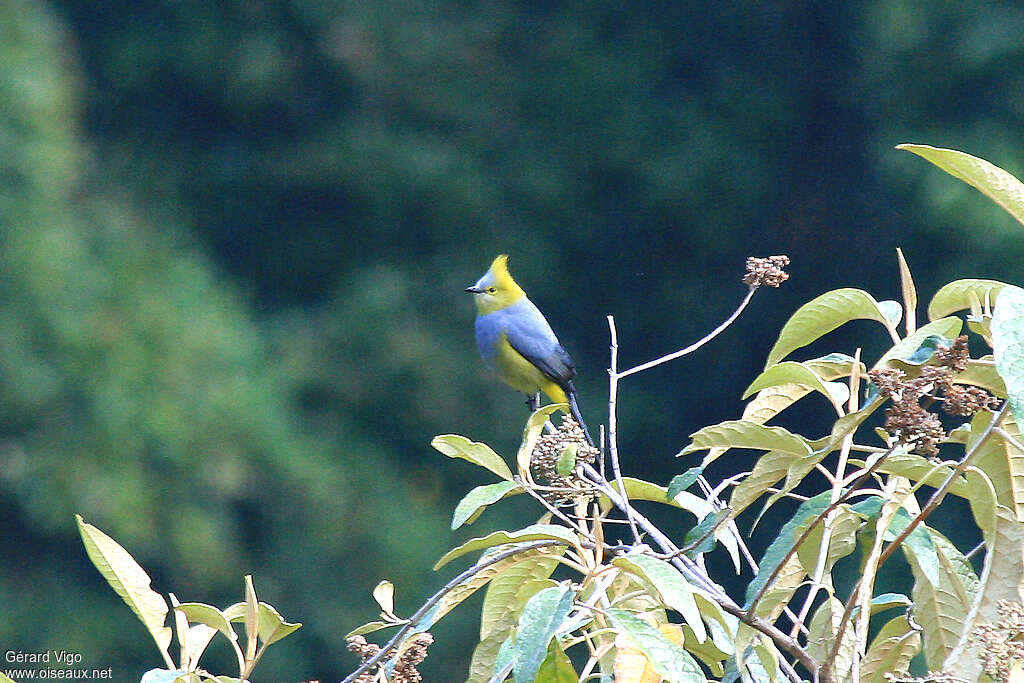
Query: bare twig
[697, 344]
[613, 445]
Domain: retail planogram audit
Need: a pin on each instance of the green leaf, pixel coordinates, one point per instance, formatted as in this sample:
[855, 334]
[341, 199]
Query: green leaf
[702, 533]
[842, 541]
[923, 353]
[455, 446]
[201, 613]
[995, 183]
[1008, 345]
[791, 372]
[982, 373]
[534, 532]
[1000, 580]
[822, 315]
[671, 586]
[503, 601]
[556, 667]
[941, 603]
[671, 661]
[962, 294]
[474, 502]
[891, 651]
[780, 547]
[769, 468]
[531, 433]
[885, 601]
[746, 434]
[944, 327]
[1001, 459]
[822, 632]
[512, 587]
[892, 310]
[370, 627]
[129, 580]
[683, 481]
[162, 675]
[539, 621]
[273, 627]
[638, 489]
[566, 462]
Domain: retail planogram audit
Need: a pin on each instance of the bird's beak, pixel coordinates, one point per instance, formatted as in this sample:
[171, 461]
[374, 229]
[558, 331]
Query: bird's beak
[473, 289]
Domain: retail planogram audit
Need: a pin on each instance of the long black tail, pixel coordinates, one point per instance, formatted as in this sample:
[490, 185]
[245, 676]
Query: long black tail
[575, 408]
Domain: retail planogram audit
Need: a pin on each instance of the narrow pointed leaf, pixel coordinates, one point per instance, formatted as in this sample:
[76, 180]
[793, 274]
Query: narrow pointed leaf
[129, 580]
[995, 183]
[455, 446]
[683, 481]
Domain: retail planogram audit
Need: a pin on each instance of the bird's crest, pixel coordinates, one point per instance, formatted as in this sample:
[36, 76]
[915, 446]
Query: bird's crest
[502, 278]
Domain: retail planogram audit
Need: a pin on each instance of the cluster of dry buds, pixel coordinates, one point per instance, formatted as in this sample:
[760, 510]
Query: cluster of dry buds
[908, 419]
[409, 657]
[549, 456]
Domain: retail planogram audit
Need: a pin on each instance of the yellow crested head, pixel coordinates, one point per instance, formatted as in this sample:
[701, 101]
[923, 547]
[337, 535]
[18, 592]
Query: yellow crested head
[496, 289]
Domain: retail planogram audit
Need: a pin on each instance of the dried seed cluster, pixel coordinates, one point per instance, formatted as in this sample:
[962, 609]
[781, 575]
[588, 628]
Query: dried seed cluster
[766, 271]
[544, 462]
[908, 419]
[932, 677]
[1001, 645]
[412, 655]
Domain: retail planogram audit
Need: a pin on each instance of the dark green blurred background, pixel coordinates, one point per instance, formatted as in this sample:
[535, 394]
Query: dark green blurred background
[234, 237]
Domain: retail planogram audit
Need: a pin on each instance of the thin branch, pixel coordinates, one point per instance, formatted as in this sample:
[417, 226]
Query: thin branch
[613, 445]
[697, 344]
[435, 598]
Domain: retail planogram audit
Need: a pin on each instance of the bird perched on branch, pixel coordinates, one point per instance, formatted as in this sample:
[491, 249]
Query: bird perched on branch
[517, 342]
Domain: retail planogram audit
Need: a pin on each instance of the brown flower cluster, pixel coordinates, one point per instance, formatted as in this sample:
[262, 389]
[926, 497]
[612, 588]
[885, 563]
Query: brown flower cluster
[766, 271]
[545, 456]
[1001, 645]
[411, 655]
[908, 419]
[932, 677]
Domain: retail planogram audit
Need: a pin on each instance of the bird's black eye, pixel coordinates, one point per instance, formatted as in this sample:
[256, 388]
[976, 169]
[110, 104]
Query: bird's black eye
[492, 290]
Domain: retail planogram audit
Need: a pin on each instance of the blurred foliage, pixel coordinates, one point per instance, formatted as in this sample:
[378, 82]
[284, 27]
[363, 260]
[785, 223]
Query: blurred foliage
[234, 238]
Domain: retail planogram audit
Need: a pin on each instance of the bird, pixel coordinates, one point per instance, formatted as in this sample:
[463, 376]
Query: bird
[517, 342]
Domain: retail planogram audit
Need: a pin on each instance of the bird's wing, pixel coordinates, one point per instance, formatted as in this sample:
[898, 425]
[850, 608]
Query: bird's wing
[529, 333]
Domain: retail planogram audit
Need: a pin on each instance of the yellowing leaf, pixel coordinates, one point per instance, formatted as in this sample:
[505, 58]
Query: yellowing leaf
[455, 446]
[746, 434]
[129, 580]
[995, 183]
[820, 316]
[959, 294]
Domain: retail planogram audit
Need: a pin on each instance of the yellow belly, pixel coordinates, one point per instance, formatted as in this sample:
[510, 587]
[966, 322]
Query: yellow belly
[522, 375]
